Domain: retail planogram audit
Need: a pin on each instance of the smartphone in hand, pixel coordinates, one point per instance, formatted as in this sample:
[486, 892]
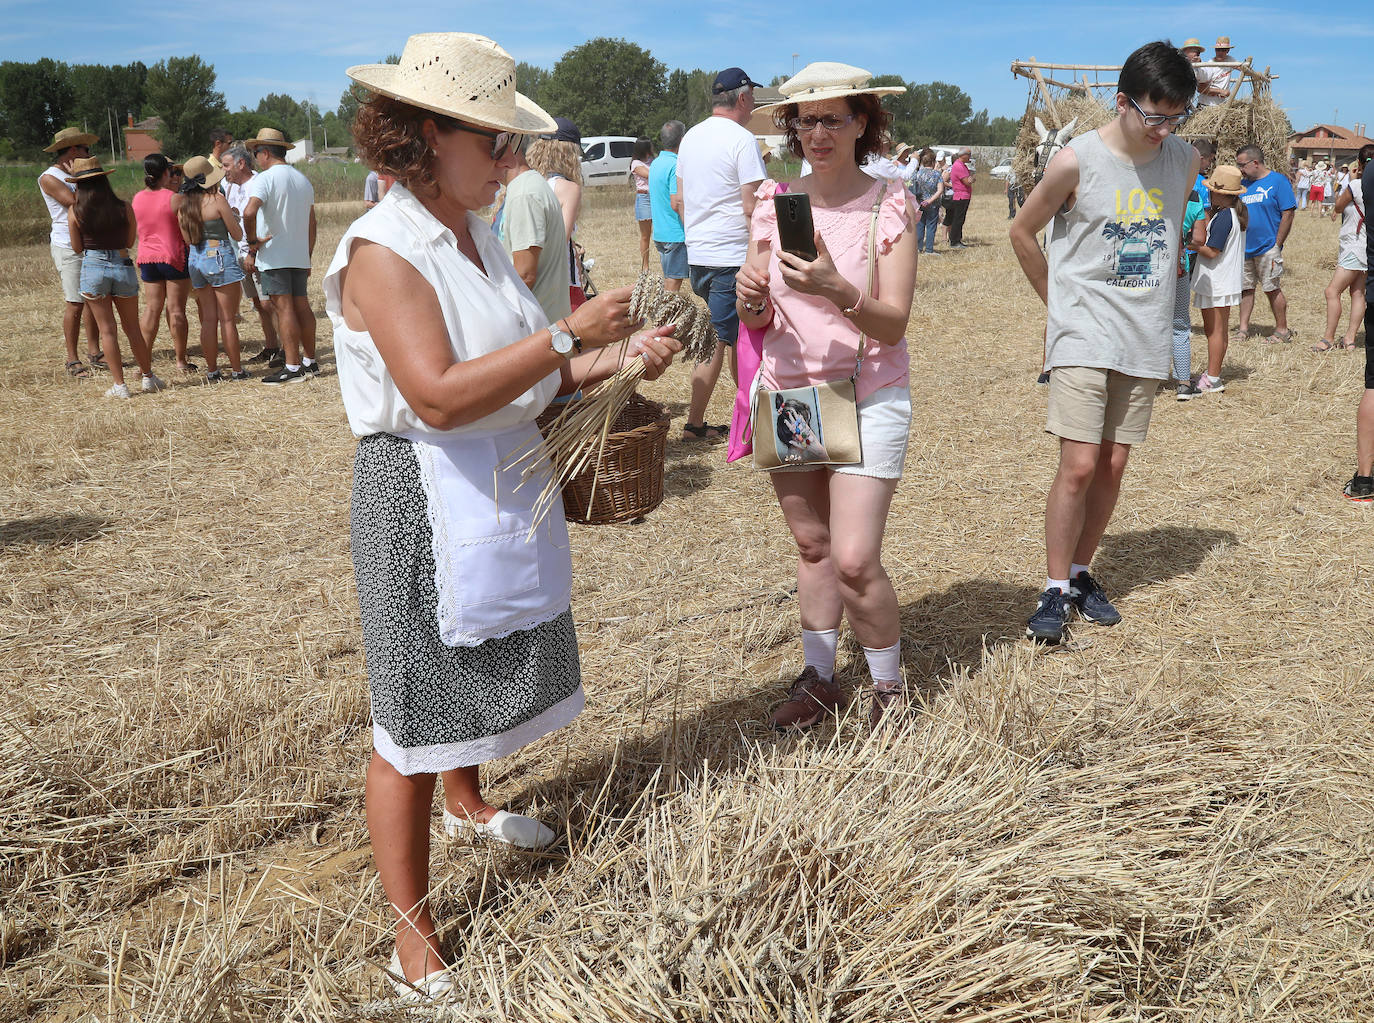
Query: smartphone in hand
[795, 229]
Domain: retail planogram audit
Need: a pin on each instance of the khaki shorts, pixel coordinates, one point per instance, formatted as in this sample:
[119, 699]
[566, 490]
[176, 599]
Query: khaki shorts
[1266, 269]
[68, 263]
[1093, 405]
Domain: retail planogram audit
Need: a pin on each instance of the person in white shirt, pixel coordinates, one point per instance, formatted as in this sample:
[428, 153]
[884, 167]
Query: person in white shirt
[718, 171]
[68, 145]
[1216, 86]
[237, 186]
[280, 245]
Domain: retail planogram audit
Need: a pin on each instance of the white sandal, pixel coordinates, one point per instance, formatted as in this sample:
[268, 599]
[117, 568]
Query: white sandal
[510, 828]
[435, 986]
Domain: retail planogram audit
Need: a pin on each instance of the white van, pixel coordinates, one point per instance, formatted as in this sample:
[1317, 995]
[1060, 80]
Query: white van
[606, 159]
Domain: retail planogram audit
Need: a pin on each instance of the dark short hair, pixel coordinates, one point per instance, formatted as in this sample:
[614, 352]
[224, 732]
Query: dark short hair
[1159, 72]
[870, 142]
[671, 135]
[1366, 153]
[1252, 150]
[220, 135]
[1205, 147]
[277, 151]
[644, 150]
[927, 157]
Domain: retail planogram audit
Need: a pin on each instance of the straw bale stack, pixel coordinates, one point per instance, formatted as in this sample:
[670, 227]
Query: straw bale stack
[1081, 105]
[1260, 120]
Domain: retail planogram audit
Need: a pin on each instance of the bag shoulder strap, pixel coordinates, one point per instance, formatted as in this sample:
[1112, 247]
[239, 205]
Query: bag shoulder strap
[872, 268]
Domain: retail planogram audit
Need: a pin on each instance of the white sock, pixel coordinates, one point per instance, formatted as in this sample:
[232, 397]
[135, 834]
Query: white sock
[291, 367]
[1060, 584]
[818, 650]
[1075, 569]
[307, 362]
[885, 665]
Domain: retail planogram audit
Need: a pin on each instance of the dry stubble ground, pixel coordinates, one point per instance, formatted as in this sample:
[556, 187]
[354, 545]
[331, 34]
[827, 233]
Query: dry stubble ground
[1167, 820]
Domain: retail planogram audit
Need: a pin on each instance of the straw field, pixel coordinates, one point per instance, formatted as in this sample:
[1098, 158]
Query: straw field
[1168, 820]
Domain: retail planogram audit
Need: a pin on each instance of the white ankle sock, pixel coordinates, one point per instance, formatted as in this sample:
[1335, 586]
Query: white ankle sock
[1075, 569]
[1060, 584]
[291, 367]
[307, 362]
[818, 650]
[885, 665]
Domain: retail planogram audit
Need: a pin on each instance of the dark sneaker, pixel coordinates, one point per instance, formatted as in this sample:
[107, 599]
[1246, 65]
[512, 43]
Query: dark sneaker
[214, 376]
[242, 374]
[1051, 615]
[810, 700]
[277, 360]
[1186, 392]
[1091, 602]
[1360, 488]
[266, 355]
[284, 376]
[313, 368]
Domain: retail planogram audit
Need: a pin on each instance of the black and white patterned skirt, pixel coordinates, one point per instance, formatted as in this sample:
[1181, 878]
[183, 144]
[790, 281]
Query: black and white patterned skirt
[437, 707]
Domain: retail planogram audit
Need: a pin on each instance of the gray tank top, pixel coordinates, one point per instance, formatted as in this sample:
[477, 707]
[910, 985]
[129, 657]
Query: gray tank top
[1113, 260]
[215, 229]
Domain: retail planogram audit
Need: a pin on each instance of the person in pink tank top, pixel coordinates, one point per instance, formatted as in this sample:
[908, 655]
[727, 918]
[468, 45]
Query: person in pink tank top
[816, 317]
[162, 257]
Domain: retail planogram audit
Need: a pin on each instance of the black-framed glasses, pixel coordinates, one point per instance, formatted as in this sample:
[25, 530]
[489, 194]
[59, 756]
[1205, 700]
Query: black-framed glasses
[1155, 120]
[830, 122]
[502, 142]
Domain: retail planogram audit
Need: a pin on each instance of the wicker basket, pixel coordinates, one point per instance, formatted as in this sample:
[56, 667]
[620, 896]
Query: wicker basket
[629, 474]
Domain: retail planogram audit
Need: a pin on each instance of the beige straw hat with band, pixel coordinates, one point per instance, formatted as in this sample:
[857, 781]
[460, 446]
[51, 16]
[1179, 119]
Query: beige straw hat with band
[199, 166]
[829, 80]
[68, 137]
[268, 137]
[466, 76]
[87, 168]
[1226, 181]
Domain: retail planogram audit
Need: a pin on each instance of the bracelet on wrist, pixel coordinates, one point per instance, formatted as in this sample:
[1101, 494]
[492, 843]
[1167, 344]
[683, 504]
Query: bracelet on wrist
[852, 313]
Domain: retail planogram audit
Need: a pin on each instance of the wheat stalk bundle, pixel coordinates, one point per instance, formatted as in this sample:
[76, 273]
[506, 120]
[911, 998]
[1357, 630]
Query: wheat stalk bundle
[576, 438]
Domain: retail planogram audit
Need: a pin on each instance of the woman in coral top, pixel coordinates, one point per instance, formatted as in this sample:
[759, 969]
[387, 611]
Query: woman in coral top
[814, 316]
[161, 256]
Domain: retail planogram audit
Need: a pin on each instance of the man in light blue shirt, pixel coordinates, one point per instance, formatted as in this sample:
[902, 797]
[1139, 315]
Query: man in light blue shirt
[665, 207]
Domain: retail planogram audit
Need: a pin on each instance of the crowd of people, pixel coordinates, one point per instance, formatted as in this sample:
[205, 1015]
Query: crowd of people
[453, 333]
[239, 219]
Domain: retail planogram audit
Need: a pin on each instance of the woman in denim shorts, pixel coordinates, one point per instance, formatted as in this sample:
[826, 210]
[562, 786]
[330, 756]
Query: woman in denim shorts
[103, 230]
[639, 174]
[210, 228]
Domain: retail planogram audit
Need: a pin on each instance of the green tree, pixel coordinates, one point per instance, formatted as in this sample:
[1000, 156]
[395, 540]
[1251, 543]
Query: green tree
[607, 87]
[355, 96]
[35, 102]
[1002, 131]
[181, 91]
[108, 95]
[530, 80]
[286, 114]
[686, 98]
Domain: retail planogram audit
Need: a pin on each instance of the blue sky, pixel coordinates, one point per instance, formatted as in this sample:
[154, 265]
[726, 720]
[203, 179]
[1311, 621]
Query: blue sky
[302, 48]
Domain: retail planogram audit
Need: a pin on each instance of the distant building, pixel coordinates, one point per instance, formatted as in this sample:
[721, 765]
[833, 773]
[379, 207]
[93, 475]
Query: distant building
[1329, 142]
[139, 139]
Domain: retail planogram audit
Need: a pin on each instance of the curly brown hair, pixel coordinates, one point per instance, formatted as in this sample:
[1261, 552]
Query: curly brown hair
[870, 142]
[387, 135]
[551, 156]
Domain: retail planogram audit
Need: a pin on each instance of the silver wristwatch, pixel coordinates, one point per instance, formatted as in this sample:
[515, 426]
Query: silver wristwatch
[561, 341]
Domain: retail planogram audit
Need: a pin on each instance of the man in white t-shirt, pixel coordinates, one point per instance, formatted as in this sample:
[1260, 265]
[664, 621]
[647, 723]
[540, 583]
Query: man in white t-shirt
[68, 145]
[237, 188]
[718, 171]
[1217, 86]
[279, 225]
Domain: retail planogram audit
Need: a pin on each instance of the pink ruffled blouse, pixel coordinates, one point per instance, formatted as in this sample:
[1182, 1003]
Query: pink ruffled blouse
[808, 339]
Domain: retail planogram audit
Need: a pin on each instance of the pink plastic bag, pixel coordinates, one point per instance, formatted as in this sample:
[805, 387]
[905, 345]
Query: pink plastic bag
[748, 355]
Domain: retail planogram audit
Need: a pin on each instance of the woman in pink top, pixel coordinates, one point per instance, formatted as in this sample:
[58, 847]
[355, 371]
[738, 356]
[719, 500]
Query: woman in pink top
[814, 316]
[639, 174]
[161, 257]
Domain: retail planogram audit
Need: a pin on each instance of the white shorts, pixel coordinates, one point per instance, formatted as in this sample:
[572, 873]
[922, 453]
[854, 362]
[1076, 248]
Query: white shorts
[884, 430]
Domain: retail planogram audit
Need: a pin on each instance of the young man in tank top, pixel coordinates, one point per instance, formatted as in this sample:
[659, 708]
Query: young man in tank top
[1116, 198]
[69, 145]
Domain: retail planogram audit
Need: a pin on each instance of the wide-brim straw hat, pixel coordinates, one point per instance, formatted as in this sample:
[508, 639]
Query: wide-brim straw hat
[826, 79]
[1223, 42]
[87, 168]
[268, 137]
[902, 150]
[198, 166]
[1192, 44]
[68, 137]
[1226, 181]
[465, 76]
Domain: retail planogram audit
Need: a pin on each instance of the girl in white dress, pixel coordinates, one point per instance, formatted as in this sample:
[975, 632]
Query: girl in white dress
[1217, 279]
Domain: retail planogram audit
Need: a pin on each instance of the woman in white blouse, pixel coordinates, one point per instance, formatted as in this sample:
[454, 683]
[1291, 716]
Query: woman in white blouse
[445, 359]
